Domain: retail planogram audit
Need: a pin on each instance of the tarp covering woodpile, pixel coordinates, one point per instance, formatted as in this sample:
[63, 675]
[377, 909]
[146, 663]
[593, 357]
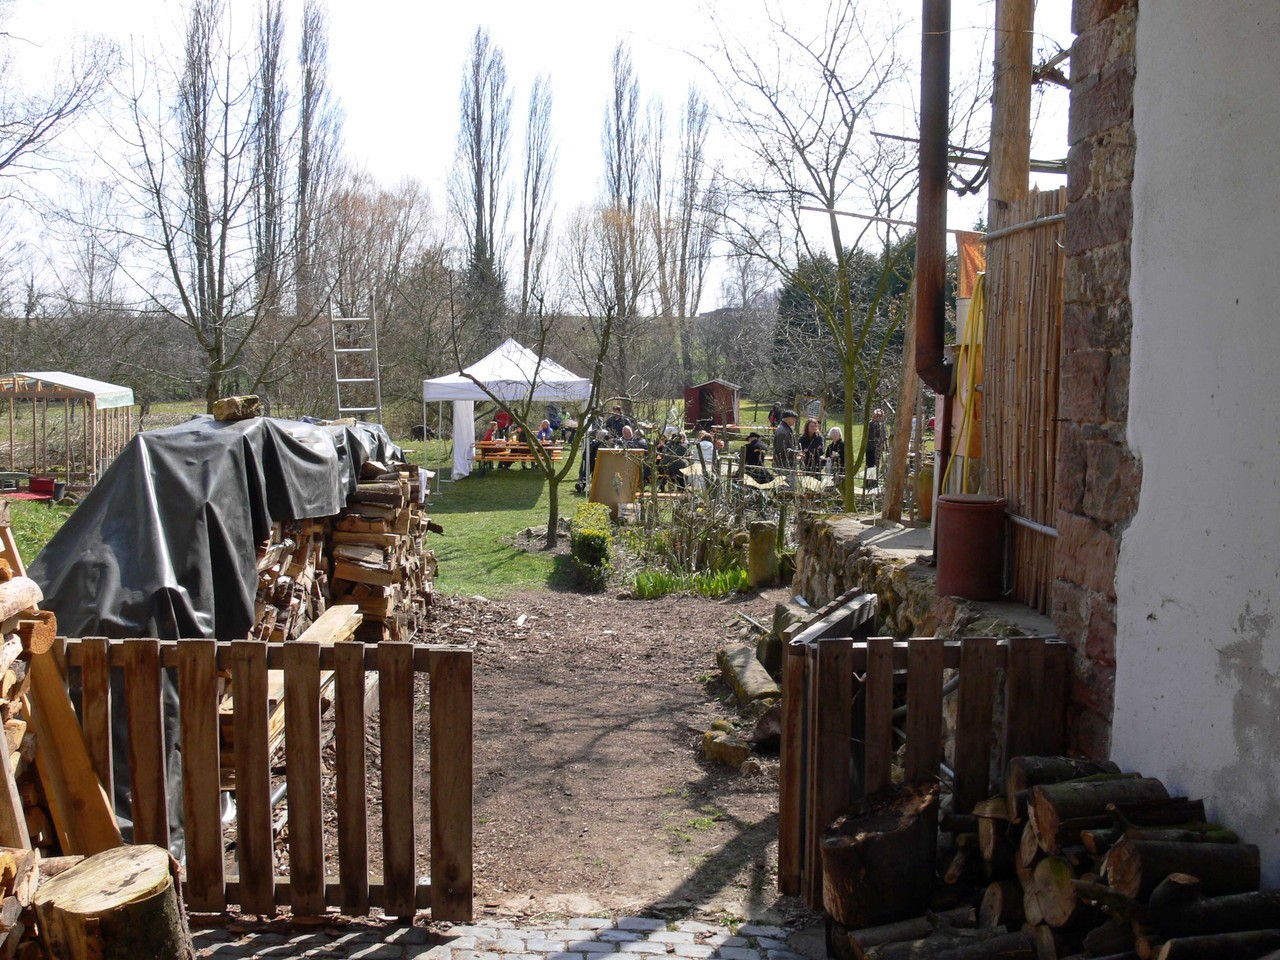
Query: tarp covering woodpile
[166, 545]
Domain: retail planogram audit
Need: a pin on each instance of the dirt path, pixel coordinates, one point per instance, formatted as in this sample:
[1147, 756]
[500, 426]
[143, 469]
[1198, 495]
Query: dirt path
[590, 791]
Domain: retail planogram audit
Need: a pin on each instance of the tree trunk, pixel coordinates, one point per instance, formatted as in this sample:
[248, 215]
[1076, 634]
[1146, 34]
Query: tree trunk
[122, 903]
[553, 510]
[1136, 867]
[878, 859]
[1179, 908]
[895, 481]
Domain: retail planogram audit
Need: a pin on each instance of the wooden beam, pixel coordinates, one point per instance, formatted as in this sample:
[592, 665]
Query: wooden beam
[1011, 105]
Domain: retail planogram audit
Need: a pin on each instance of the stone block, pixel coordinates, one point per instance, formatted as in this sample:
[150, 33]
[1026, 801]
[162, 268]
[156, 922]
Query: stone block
[1112, 480]
[1097, 276]
[1091, 50]
[1099, 219]
[1100, 641]
[1103, 101]
[745, 674]
[1070, 468]
[1088, 13]
[1070, 612]
[721, 747]
[1086, 553]
[1090, 735]
[1117, 406]
[1081, 378]
[237, 408]
[1092, 684]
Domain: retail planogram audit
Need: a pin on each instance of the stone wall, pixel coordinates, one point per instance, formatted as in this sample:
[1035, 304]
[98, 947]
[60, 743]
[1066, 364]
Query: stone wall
[1097, 475]
[833, 557]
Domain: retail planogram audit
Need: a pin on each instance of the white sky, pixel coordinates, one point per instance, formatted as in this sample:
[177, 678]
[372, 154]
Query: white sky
[396, 67]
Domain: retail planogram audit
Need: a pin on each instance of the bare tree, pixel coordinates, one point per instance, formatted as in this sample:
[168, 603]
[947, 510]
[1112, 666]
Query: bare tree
[803, 115]
[629, 256]
[192, 182]
[685, 216]
[536, 207]
[31, 121]
[271, 95]
[319, 138]
[477, 188]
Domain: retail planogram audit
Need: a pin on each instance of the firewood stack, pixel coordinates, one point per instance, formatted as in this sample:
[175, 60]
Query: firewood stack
[370, 555]
[377, 558]
[1078, 859]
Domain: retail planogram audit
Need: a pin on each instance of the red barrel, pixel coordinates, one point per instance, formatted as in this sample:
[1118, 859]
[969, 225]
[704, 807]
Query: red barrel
[970, 546]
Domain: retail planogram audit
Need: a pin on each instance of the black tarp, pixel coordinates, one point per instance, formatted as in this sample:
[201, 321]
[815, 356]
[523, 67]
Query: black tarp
[165, 544]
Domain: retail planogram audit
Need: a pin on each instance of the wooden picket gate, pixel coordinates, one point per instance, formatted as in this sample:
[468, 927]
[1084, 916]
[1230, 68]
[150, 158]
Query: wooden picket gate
[838, 736]
[306, 888]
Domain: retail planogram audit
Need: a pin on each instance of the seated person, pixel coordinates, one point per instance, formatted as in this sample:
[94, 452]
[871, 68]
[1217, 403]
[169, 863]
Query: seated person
[547, 432]
[673, 457]
[491, 433]
[616, 421]
[834, 455]
[753, 459]
[631, 440]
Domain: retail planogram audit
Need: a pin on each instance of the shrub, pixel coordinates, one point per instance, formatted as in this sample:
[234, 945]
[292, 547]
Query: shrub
[651, 584]
[590, 545]
[720, 583]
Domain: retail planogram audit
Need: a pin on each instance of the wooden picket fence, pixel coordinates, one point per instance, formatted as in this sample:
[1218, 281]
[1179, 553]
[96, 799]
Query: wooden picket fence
[306, 670]
[838, 726]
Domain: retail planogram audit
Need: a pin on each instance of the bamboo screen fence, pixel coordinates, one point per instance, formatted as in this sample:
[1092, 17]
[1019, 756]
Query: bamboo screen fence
[1025, 261]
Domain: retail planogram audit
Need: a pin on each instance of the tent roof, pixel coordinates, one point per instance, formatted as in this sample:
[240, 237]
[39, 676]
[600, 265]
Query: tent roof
[105, 395]
[511, 373]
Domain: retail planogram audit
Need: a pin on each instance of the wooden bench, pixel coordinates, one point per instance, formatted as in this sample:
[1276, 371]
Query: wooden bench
[511, 451]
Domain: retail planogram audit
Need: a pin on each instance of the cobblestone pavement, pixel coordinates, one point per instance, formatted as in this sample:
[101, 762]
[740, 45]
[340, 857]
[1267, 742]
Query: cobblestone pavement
[582, 938]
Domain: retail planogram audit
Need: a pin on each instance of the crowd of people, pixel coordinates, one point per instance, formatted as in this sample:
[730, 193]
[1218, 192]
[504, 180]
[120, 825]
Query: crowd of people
[808, 452]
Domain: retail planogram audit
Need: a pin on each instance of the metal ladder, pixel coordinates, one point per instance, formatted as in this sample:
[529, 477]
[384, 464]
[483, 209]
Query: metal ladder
[355, 339]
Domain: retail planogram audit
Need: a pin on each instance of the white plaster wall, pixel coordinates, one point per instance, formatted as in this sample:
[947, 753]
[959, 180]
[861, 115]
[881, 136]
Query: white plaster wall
[1198, 587]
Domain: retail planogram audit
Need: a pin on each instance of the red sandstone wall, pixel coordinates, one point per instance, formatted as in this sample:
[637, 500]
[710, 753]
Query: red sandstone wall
[1098, 478]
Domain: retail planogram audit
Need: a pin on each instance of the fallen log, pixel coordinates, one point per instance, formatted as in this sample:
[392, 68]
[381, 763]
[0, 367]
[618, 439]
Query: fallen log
[1001, 905]
[1179, 908]
[1247, 945]
[1135, 867]
[916, 928]
[962, 945]
[1116, 904]
[1023, 773]
[1114, 936]
[878, 860]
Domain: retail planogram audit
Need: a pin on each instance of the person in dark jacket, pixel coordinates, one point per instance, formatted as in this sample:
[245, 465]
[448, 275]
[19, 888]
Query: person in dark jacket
[811, 446]
[834, 454]
[784, 443]
[875, 437]
[753, 459]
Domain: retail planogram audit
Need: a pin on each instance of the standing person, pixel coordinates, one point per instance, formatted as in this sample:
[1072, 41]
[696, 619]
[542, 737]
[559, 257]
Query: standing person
[834, 454]
[784, 443]
[875, 437]
[811, 446]
[616, 421]
[775, 415]
[503, 419]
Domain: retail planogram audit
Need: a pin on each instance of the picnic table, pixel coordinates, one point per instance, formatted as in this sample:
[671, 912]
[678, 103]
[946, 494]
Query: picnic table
[488, 452]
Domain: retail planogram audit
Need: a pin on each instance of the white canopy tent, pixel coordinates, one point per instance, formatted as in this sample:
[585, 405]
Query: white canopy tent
[512, 374]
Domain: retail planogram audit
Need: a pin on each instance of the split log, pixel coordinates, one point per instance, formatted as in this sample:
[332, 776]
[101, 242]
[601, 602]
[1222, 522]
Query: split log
[1247, 945]
[1116, 904]
[878, 860]
[1179, 908]
[1057, 802]
[962, 945]
[1176, 812]
[1114, 936]
[1100, 841]
[995, 808]
[1051, 897]
[1135, 867]
[1001, 905]
[122, 902]
[1023, 773]
[994, 844]
[18, 595]
[916, 928]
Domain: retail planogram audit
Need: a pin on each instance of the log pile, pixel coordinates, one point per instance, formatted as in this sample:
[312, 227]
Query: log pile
[1078, 859]
[371, 555]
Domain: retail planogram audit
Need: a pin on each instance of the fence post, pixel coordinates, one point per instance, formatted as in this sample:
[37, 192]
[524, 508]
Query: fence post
[1024, 687]
[146, 742]
[201, 813]
[95, 703]
[302, 737]
[973, 722]
[924, 709]
[395, 714]
[254, 847]
[349, 760]
[791, 779]
[451, 784]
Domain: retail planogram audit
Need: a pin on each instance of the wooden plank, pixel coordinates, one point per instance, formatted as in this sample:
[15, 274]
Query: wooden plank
[1056, 664]
[254, 847]
[146, 742]
[1024, 684]
[82, 816]
[95, 681]
[333, 893]
[304, 790]
[349, 761]
[201, 812]
[973, 722]
[810, 862]
[833, 692]
[879, 693]
[451, 785]
[791, 769]
[395, 714]
[924, 709]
